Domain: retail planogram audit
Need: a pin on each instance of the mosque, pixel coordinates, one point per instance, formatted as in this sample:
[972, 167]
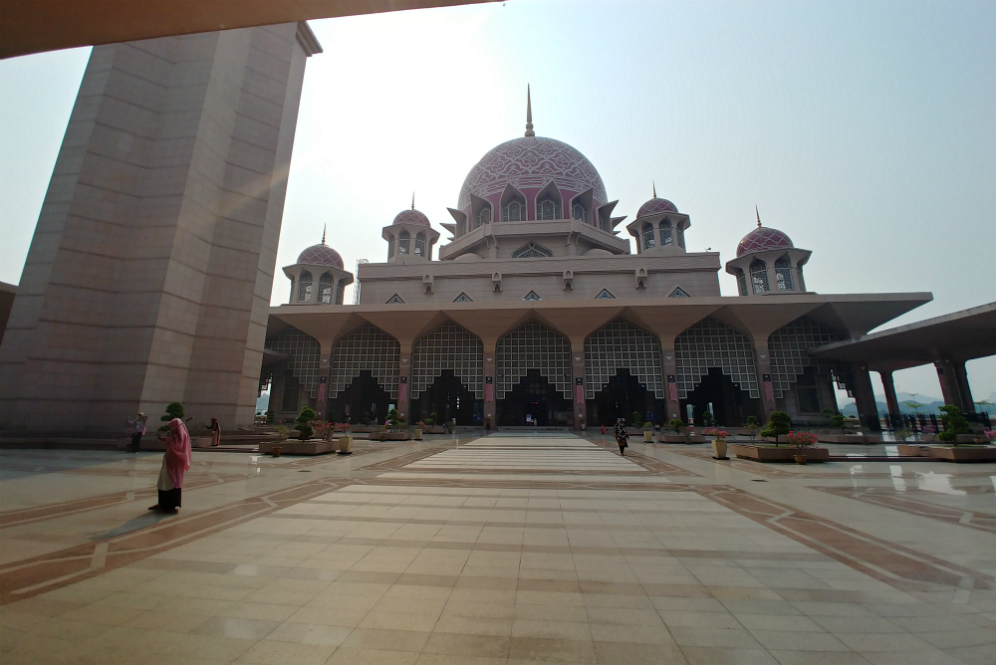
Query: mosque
[536, 312]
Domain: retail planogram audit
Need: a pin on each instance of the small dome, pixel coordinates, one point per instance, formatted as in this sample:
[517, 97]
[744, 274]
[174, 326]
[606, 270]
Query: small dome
[321, 255]
[656, 205]
[763, 238]
[412, 216]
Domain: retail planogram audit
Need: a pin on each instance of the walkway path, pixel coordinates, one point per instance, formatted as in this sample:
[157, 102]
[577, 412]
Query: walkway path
[512, 549]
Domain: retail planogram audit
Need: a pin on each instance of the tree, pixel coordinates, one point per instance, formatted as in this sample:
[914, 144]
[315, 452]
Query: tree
[751, 426]
[304, 423]
[676, 425]
[393, 418]
[955, 423]
[431, 420]
[707, 419]
[637, 419]
[911, 404]
[779, 423]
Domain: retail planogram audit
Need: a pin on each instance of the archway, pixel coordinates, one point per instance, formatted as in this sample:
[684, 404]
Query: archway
[448, 397]
[619, 398]
[363, 399]
[534, 396]
[717, 393]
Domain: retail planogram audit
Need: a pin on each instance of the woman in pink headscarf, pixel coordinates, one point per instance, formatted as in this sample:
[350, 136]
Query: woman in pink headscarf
[176, 462]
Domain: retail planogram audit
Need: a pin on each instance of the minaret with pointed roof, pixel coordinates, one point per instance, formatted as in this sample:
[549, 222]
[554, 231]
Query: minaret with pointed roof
[529, 113]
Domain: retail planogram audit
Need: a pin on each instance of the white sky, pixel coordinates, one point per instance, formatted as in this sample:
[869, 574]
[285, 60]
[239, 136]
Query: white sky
[863, 130]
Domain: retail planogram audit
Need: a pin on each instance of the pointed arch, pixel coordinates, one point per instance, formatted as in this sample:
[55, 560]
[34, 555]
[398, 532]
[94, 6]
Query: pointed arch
[404, 239]
[531, 251]
[366, 348]
[395, 300]
[463, 297]
[549, 203]
[533, 346]
[604, 294]
[513, 205]
[665, 232]
[679, 293]
[708, 344]
[532, 295]
[759, 276]
[420, 244]
[304, 287]
[325, 289]
[448, 347]
[622, 345]
[783, 274]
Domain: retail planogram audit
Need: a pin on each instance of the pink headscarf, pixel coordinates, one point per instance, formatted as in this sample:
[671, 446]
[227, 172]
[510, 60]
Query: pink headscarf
[178, 453]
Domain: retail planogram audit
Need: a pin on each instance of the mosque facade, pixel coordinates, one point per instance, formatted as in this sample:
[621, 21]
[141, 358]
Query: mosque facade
[536, 312]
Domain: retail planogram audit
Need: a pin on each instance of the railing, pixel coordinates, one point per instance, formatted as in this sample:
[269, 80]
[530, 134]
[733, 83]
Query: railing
[916, 422]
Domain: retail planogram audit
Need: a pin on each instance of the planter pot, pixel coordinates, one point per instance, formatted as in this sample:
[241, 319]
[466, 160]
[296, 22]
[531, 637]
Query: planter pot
[307, 447]
[840, 438]
[276, 450]
[418, 434]
[345, 443]
[719, 449]
[391, 436]
[963, 453]
[365, 429]
[435, 429]
[928, 438]
[913, 451]
[681, 438]
[200, 442]
[799, 459]
[648, 435]
[780, 454]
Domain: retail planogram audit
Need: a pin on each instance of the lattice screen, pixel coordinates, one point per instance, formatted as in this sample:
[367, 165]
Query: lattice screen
[789, 358]
[304, 351]
[533, 346]
[708, 344]
[448, 347]
[622, 345]
[366, 348]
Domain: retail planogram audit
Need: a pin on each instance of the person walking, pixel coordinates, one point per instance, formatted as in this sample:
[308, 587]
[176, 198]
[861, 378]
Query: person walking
[622, 436]
[135, 428]
[215, 429]
[176, 462]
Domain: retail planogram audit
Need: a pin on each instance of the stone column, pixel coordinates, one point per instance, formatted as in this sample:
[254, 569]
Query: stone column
[324, 377]
[490, 382]
[577, 370]
[864, 398]
[954, 384]
[404, 380]
[964, 388]
[669, 368]
[765, 387]
[890, 393]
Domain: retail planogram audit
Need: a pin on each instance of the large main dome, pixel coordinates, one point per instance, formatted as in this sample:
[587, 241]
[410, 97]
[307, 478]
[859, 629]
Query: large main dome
[532, 162]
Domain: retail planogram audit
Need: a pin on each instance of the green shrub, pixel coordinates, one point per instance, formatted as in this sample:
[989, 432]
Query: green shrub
[955, 423]
[752, 425]
[393, 418]
[779, 424]
[304, 423]
[269, 417]
[636, 419]
[173, 410]
[431, 420]
[837, 421]
[707, 419]
[676, 425]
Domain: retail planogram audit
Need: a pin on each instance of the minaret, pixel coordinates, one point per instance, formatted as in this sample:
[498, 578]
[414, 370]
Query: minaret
[529, 113]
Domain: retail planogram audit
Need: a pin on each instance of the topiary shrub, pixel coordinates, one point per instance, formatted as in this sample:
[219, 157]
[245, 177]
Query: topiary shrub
[707, 419]
[676, 425]
[751, 427]
[173, 410]
[393, 419]
[779, 424]
[955, 423]
[304, 423]
[431, 420]
[837, 421]
[636, 419]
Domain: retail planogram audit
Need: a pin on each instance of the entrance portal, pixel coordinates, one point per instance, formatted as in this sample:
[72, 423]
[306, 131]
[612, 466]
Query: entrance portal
[448, 398]
[362, 399]
[535, 397]
[623, 395]
[730, 405]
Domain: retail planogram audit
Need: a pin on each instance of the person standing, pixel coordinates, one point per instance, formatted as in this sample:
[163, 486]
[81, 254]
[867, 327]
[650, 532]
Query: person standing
[215, 429]
[622, 436]
[176, 462]
[136, 428]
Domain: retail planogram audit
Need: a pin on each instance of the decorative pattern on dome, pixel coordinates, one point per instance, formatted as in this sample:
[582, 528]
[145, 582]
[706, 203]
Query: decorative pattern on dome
[531, 162]
[762, 238]
[321, 255]
[411, 217]
[656, 205]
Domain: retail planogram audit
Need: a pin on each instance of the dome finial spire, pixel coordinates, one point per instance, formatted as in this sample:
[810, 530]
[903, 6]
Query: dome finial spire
[529, 113]
[324, 226]
[413, 200]
[758, 216]
[655, 188]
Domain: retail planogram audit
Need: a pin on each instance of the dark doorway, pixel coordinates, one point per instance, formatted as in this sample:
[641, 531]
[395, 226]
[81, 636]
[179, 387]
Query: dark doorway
[449, 398]
[730, 405]
[623, 395]
[363, 399]
[534, 396]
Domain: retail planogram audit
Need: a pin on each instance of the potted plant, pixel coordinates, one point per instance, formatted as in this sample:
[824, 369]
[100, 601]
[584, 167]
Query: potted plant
[802, 440]
[303, 421]
[955, 423]
[345, 440]
[173, 410]
[419, 427]
[648, 432]
[719, 442]
[779, 424]
[929, 433]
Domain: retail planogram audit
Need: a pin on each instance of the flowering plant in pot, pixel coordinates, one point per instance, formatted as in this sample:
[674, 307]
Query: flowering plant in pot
[716, 432]
[801, 438]
[719, 443]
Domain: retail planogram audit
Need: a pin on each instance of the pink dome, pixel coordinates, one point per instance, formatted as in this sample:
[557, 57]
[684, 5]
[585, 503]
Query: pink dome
[411, 217]
[532, 162]
[321, 255]
[761, 239]
[656, 205]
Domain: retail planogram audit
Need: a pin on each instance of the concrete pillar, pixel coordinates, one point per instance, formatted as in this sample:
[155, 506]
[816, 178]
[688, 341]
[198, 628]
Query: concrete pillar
[669, 369]
[864, 398]
[577, 370]
[765, 387]
[324, 377]
[890, 393]
[404, 380]
[964, 388]
[954, 384]
[490, 382]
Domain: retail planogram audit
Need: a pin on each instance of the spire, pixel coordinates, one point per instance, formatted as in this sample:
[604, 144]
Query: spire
[529, 113]
[324, 226]
[758, 216]
[413, 200]
[655, 190]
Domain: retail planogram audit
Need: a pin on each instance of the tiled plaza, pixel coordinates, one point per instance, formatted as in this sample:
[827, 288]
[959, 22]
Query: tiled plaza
[512, 549]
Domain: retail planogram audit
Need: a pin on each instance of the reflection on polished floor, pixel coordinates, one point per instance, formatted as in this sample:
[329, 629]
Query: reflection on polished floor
[507, 549]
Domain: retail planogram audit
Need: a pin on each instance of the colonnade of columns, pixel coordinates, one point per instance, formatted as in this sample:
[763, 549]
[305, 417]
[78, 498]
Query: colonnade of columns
[953, 378]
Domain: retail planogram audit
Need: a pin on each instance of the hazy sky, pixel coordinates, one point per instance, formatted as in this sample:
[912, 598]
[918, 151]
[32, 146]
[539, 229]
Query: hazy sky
[866, 131]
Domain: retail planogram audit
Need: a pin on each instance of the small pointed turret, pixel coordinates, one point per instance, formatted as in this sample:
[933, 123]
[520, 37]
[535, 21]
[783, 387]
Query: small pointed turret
[758, 216]
[655, 189]
[324, 226]
[413, 200]
[529, 113]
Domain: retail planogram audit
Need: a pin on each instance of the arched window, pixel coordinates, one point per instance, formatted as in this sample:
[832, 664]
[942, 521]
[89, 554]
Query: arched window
[783, 275]
[665, 228]
[648, 236]
[483, 217]
[548, 209]
[579, 212]
[403, 241]
[531, 251]
[339, 288]
[304, 287]
[420, 244]
[681, 237]
[390, 247]
[759, 276]
[513, 212]
[325, 289]
[741, 282]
